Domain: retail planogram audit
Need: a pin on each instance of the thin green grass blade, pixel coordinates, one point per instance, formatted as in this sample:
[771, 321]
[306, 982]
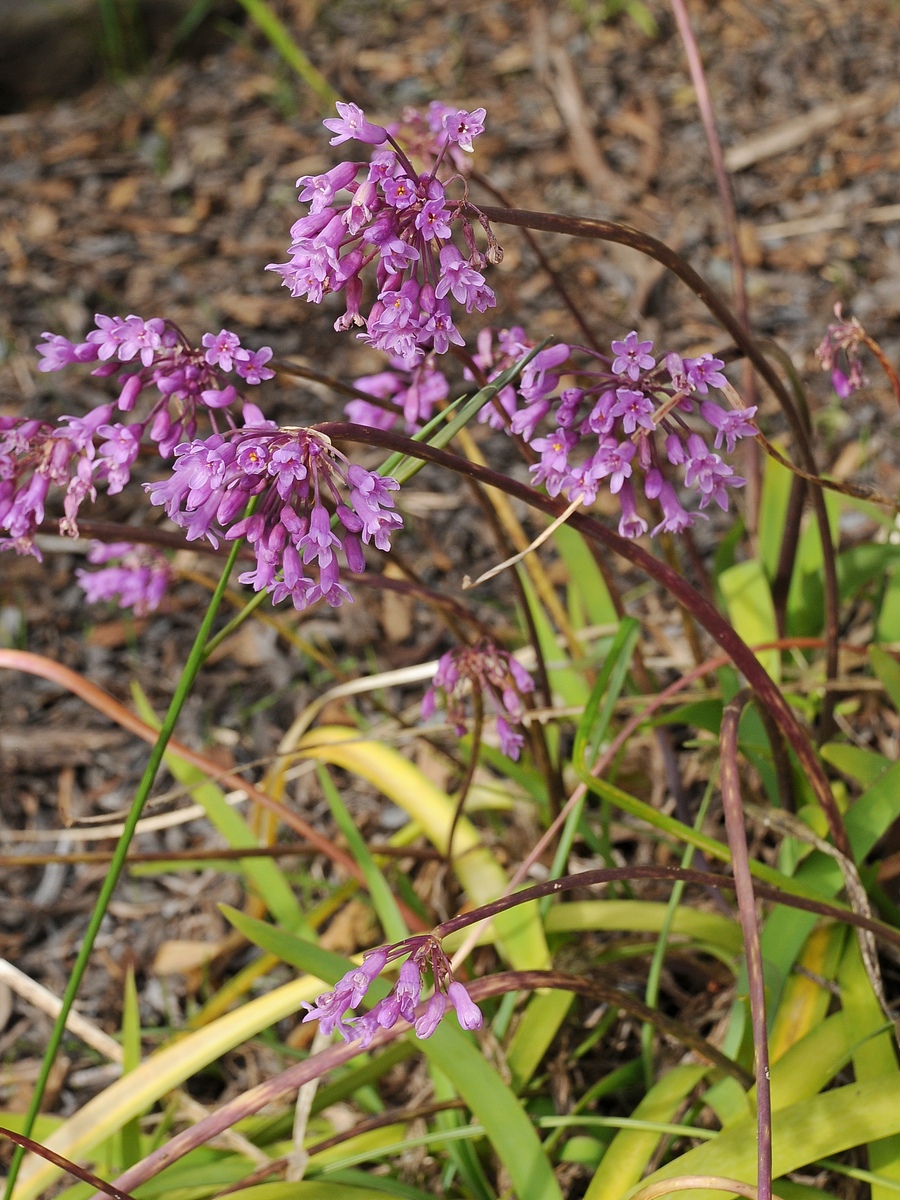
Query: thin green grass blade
[130, 1133]
[600, 706]
[395, 929]
[773, 506]
[280, 36]
[630, 1151]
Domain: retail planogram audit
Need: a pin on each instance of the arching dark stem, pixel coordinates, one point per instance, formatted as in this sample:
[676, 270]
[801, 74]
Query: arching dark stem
[709, 617]
[626, 235]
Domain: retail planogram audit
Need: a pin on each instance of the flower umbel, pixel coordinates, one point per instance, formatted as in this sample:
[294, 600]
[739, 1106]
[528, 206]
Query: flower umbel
[426, 956]
[401, 220]
[138, 581]
[494, 673]
[294, 475]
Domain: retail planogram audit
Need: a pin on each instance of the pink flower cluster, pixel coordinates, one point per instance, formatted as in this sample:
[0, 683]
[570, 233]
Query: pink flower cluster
[292, 475]
[401, 220]
[139, 580]
[627, 414]
[156, 354]
[425, 957]
[494, 674]
[80, 452]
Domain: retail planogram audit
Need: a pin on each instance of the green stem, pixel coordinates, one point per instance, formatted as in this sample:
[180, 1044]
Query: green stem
[117, 863]
[651, 996]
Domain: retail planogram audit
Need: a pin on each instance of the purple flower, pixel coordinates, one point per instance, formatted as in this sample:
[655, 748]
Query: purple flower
[704, 372]
[461, 126]
[467, 1011]
[139, 581]
[729, 425]
[496, 675]
[632, 356]
[351, 125]
[613, 459]
[432, 1016]
[432, 220]
[221, 349]
[634, 408]
[291, 472]
[425, 956]
[631, 524]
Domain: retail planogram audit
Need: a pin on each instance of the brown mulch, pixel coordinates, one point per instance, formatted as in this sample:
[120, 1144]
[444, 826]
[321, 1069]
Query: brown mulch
[168, 194]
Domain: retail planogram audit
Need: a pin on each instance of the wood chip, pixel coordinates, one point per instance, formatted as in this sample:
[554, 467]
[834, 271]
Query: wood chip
[798, 130]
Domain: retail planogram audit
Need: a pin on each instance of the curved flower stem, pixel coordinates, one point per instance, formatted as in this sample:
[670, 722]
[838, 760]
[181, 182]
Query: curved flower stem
[708, 616]
[601, 876]
[626, 235]
[117, 863]
[743, 887]
[317, 1065]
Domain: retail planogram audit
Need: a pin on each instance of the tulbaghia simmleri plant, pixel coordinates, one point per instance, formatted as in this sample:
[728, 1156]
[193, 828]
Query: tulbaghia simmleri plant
[395, 231]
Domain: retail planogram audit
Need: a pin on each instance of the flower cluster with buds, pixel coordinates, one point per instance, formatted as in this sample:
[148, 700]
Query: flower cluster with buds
[156, 353]
[78, 453]
[139, 580]
[425, 957]
[292, 475]
[842, 343]
[493, 673]
[401, 219]
[628, 414]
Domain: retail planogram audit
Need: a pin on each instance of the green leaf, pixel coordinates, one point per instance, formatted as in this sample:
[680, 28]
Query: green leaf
[888, 671]
[816, 1127]
[887, 627]
[645, 916]
[585, 581]
[630, 1151]
[540, 1022]
[266, 876]
[773, 506]
[565, 680]
[874, 1056]
[862, 766]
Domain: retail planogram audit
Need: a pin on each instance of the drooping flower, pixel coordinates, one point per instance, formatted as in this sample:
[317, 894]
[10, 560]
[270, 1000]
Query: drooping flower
[426, 957]
[842, 343]
[496, 675]
[139, 580]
